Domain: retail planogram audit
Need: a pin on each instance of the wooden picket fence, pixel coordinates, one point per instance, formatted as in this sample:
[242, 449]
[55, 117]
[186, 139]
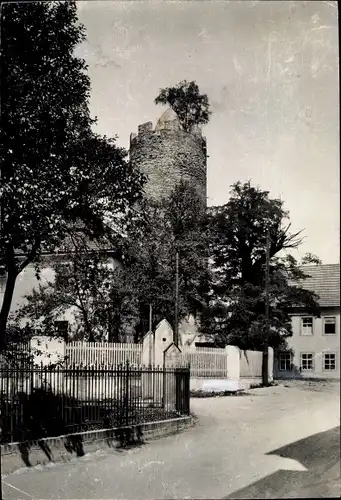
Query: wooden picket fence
[206, 362]
[103, 353]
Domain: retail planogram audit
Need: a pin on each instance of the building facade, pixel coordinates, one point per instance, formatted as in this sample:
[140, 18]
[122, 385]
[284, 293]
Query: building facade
[167, 154]
[315, 342]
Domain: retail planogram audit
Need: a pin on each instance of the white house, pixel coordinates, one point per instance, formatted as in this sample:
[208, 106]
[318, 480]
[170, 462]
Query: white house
[315, 342]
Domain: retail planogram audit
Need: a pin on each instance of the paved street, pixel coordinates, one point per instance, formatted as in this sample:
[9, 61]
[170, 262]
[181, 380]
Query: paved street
[275, 443]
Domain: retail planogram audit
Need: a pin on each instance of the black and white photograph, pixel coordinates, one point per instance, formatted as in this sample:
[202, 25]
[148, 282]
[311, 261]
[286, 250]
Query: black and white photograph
[169, 249]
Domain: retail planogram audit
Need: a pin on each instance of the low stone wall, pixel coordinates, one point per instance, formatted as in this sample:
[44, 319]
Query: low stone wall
[224, 384]
[63, 448]
[214, 385]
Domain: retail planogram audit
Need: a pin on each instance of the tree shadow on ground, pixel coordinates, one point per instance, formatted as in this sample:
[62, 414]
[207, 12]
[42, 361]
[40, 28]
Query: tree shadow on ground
[122, 435]
[41, 417]
[25, 447]
[319, 454]
[128, 437]
[74, 444]
[34, 417]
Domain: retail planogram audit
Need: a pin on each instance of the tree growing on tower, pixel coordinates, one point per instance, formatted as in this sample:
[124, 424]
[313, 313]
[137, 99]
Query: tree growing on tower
[187, 102]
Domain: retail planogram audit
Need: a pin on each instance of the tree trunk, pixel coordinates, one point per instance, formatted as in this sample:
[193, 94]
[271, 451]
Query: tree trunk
[114, 314]
[110, 333]
[113, 327]
[6, 305]
[116, 328]
[265, 372]
[87, 324]
[91, 337]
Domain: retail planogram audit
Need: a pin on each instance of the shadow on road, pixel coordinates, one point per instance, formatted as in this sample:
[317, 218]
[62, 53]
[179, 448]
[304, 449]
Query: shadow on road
[44, 414]
[319, 453]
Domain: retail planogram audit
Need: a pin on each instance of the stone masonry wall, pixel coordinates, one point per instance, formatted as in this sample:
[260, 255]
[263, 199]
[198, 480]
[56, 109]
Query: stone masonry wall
[166, 157]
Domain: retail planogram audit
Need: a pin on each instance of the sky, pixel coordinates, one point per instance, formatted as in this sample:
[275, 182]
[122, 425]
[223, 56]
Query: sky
[270, 70]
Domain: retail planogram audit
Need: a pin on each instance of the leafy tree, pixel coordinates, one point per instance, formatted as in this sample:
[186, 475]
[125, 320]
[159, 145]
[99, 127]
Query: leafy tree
[176, 224]
[54, 170]
[185, 99]
[238, 251]
[311, 258]
[88, 284]
[114, 300]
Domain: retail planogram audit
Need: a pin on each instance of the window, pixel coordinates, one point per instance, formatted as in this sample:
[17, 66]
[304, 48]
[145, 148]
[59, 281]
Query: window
[329, 361]
[307, 325]
[62, 328]
[285, 361]
[307, 362]
[329, 325]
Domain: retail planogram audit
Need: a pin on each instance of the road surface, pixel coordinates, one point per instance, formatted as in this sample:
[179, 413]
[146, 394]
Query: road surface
[277, 442]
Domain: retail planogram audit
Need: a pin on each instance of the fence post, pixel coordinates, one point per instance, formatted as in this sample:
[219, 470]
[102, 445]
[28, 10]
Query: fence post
[271, 364]
[227, 361]
[233, 354]
[188, 391]
[164, 403]
[32, 379]
[185, 390]
[126, 399]
[180, 389]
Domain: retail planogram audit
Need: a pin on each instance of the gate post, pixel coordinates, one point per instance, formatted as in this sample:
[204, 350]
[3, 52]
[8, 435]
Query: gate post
[171, 359]
[182, 383]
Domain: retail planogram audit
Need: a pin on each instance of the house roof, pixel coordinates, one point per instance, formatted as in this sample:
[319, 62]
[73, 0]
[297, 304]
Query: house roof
[324, 280]
[66, 247]
[79, 239]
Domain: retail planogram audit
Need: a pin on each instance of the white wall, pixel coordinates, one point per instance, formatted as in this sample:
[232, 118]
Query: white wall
[47, 350]
[318, 343]
[26, 282]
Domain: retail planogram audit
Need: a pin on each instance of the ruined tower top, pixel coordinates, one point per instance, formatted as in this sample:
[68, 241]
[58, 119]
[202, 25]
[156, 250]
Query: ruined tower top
[168, 154]
[168, 121]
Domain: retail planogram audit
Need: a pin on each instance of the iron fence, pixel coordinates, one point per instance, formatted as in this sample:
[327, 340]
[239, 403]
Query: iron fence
[16, 354]
[45, 401]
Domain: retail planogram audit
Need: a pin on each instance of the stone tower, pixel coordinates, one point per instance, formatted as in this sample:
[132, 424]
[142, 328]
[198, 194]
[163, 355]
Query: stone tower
[168, 154]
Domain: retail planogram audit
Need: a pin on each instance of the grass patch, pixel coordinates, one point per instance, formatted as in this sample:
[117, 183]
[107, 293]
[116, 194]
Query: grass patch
[260, 386]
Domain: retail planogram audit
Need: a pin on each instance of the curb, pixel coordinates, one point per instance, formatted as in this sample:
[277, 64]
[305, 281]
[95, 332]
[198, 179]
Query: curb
[15, 456]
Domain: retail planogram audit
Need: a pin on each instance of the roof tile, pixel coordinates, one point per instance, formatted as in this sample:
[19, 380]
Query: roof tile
[324, 280]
